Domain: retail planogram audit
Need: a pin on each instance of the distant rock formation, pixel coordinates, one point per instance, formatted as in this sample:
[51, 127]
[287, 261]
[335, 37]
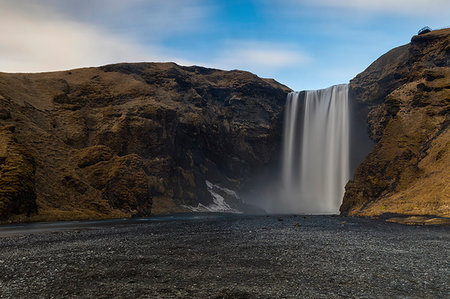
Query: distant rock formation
[406, 96]
[131, 139]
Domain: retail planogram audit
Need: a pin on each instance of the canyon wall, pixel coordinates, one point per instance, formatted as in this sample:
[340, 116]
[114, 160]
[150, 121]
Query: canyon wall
[131, 139]
[405, 95]
[138, 139]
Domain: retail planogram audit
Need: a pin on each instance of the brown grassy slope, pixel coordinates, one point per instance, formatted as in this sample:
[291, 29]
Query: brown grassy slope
[17, 168]
[130, 139]
[407, 92]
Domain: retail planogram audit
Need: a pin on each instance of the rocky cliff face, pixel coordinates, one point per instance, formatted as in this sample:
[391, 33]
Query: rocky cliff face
[131, 139]
[406, 96]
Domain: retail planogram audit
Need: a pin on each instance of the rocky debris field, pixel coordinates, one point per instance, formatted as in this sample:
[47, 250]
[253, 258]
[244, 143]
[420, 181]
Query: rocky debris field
[226, 257]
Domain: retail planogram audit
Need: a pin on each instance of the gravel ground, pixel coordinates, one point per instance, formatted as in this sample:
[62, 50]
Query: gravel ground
[226, 257]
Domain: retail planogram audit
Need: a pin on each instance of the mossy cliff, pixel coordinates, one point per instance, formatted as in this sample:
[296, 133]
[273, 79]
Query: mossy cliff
[134, 139]
[17, 169]
[406, 96]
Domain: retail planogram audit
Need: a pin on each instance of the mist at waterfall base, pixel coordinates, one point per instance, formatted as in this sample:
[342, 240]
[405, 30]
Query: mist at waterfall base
[324, 140]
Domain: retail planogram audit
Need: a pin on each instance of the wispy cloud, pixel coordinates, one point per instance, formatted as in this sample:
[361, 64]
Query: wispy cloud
[45, 38]
[260, 56]
[304, 43]
[147, 19]
[33, 43]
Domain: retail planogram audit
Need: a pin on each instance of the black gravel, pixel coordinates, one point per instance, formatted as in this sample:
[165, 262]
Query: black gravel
[226, 257]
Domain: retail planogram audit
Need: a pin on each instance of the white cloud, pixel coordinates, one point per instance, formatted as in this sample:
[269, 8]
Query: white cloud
[148, 19]
[36, 38]
[259, 57]
[32, 43]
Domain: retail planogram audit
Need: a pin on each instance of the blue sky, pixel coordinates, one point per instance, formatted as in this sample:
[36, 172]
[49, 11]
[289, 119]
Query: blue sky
[305, 44]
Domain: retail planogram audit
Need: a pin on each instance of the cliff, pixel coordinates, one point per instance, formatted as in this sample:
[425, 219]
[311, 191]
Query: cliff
[138, 139]
[131, 139]
[406, 97]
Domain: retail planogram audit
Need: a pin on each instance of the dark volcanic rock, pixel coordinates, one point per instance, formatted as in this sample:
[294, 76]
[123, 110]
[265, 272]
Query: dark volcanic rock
[130, 139]
[406, 93]
[226, 257]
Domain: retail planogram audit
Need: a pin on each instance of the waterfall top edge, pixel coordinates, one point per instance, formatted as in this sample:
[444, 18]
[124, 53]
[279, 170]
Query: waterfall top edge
[332, 86]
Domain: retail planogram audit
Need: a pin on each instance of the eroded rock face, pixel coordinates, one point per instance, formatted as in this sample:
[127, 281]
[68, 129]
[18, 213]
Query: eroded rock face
[135, 139]
[17, 169]
[407, 96]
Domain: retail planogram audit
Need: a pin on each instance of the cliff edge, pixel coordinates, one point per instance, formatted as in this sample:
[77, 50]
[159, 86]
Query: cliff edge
[406, 97]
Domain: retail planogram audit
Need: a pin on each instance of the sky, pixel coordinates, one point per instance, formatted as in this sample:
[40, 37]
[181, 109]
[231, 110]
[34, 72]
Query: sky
[304, 44]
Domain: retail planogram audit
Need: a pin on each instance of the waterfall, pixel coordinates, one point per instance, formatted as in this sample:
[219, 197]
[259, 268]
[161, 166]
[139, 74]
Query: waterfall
[316, 150]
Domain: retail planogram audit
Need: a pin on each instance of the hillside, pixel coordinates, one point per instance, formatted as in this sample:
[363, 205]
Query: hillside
[406, 97]
[131, 139]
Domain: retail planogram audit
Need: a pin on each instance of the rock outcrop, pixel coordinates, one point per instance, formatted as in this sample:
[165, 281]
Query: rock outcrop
[406, 95]
[17, 168]
[133, 139]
